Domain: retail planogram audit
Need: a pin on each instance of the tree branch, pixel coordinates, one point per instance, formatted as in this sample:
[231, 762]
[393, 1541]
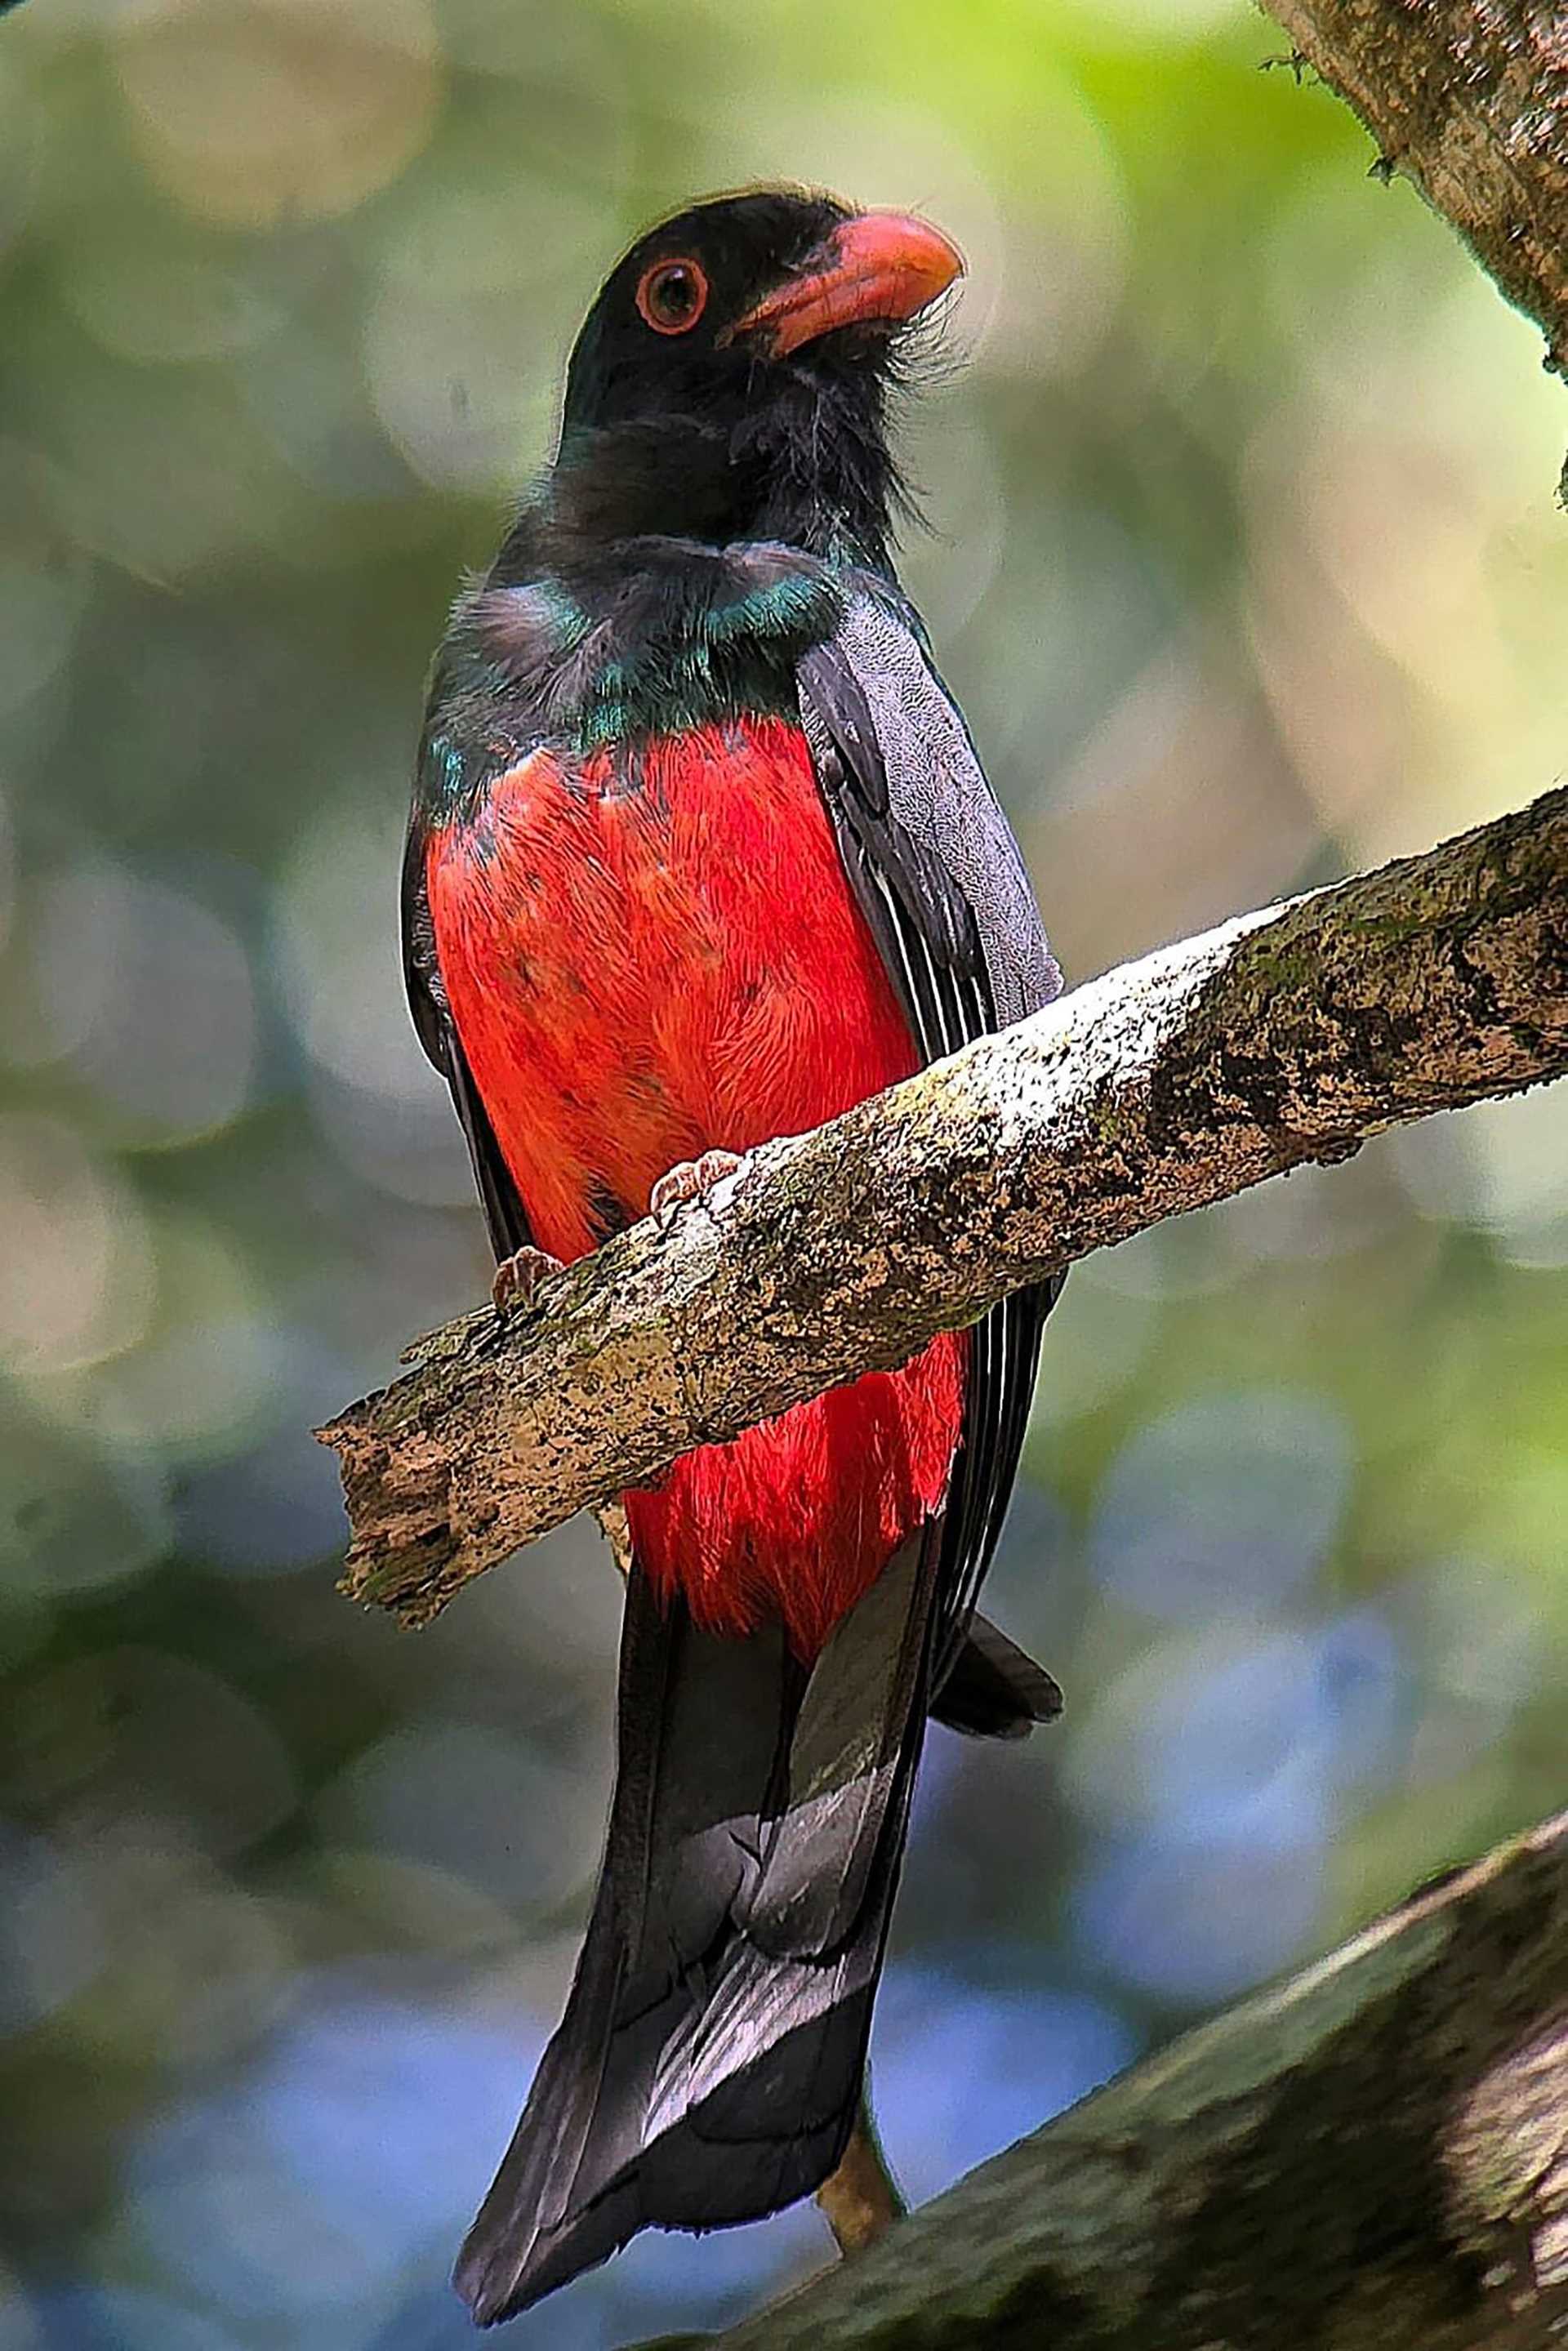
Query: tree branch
[1283, 1037]
[1374, 2158]
[1471, 105]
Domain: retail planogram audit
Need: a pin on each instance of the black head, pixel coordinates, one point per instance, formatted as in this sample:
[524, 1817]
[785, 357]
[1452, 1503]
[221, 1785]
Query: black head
[731, 378]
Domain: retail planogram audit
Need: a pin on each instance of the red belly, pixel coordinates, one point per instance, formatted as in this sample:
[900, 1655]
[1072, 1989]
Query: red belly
[641, 971]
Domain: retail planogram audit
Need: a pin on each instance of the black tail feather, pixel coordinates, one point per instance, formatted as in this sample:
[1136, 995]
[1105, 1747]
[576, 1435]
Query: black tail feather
[710, 2058]
[995, 1690]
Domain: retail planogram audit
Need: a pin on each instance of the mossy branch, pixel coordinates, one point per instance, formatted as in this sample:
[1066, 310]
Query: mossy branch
[1284, 1037]
[1374, 2158]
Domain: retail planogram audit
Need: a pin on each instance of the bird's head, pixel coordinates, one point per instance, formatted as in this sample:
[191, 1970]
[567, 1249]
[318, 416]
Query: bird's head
[731, 378]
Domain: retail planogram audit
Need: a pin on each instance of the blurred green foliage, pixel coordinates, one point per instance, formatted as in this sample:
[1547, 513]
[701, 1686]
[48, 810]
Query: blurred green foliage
[1245, 565]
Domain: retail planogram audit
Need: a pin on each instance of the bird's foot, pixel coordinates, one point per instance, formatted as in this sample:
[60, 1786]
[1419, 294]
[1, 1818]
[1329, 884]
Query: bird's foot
[519, 1278]
[690, 1179]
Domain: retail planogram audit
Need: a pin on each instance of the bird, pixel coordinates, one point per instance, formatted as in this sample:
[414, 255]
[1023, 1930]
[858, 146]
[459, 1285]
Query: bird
[701, 853]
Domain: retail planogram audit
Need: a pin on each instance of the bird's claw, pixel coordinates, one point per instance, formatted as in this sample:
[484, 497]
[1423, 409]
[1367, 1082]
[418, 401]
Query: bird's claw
[690, 1179]
[519, 1278]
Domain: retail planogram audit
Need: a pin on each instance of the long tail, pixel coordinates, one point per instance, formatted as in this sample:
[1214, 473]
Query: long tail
[707, 2067]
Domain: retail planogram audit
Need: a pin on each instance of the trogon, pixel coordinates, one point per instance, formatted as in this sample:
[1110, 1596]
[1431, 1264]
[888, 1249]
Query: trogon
[701, 853]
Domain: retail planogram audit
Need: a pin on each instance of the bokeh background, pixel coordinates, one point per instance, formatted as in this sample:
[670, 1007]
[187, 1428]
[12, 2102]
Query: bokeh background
[1246, 563]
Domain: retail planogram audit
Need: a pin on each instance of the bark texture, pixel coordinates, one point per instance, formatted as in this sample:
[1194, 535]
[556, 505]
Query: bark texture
[1470, 102]
[1373, 2159]
[1283, 1037]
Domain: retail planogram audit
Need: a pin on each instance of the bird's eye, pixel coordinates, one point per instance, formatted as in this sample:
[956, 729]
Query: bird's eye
[672, 296]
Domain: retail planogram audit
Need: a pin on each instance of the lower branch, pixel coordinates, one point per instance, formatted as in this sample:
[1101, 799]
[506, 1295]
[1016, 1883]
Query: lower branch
[1373, 2159]
[1284, 1037]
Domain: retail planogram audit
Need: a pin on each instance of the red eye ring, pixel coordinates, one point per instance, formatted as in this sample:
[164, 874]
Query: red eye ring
[672, 295]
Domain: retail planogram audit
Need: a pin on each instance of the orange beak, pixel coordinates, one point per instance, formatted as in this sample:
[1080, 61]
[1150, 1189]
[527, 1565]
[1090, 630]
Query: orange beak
[881, 266]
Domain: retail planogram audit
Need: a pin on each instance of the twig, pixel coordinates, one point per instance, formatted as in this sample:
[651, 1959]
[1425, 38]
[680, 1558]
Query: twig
[860, 2200]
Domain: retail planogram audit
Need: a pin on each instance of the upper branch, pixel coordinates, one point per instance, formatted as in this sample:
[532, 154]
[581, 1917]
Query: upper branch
[1471, 104]
[1283, 1037]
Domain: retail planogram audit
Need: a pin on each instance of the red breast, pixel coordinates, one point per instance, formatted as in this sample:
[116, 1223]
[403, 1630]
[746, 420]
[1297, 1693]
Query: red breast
[647, 961]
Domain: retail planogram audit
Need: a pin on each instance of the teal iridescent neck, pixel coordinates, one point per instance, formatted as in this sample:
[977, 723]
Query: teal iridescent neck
[655, 636]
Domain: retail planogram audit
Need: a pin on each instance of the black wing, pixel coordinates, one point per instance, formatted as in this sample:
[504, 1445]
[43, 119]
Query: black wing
[503, 1217]
[939, 878]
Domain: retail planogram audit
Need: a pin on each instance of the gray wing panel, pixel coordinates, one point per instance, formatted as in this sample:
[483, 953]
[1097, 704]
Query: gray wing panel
[936, 793]
[938, 876]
